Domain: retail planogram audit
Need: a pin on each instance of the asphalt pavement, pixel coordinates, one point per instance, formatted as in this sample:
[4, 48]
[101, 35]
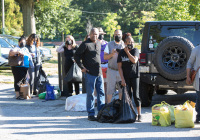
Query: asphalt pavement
[39, 119]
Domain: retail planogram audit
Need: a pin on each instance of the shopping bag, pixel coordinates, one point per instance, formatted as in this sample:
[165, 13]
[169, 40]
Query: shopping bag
[25, 87]
[126, 113]
[184, 116]
[76, 103]
[25, 91]
[110, 112]
[171, 110]
[74, 74]
[161, 115]
[49, 92]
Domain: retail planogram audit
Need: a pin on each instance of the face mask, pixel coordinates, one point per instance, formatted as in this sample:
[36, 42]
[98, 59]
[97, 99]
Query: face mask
[118, 38]
[22, 45]
[68, 42]
[130, 46]
[101, 37]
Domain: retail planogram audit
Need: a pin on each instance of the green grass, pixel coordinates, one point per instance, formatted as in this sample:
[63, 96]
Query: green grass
[6, 73]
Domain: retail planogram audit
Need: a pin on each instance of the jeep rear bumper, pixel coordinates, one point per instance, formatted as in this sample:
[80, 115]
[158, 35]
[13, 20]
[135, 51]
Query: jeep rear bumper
[163, 83]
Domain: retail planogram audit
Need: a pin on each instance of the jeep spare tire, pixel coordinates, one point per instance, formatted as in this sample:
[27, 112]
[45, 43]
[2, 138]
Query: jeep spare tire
[171, 57]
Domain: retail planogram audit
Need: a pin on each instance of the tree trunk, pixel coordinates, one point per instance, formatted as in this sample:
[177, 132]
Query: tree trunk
[28, 16]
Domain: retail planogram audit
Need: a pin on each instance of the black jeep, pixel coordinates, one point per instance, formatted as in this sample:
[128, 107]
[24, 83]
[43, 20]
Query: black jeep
[166, 48]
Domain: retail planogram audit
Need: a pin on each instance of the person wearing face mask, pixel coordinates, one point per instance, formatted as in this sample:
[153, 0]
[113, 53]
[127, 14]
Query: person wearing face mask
[111, 54]
[20, 72]
[69, 48]
[33, 45]
[128, 66]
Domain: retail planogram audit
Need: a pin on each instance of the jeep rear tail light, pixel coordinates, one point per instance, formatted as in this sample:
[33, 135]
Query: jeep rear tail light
[142, 59]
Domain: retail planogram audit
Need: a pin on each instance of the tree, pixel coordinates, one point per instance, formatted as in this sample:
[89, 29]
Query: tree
[56, 18]
[13, 18]
[194, 9]
[28, 16]
[173, 10]
[111, 24]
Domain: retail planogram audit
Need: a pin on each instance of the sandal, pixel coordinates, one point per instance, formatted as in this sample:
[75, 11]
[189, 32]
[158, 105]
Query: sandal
[20, 98]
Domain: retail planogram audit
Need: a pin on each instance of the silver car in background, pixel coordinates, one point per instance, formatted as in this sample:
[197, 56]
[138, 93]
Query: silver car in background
[13, 40]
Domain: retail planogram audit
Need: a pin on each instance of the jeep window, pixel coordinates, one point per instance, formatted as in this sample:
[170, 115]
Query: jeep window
[188, 32]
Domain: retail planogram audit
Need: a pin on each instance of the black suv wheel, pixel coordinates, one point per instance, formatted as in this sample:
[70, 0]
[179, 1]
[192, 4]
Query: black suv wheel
[171, 57]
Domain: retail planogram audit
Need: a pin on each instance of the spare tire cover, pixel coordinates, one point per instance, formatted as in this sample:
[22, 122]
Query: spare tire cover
[171, 57]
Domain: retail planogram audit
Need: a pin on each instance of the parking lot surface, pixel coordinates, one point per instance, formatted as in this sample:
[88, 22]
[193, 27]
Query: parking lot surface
[39, 119]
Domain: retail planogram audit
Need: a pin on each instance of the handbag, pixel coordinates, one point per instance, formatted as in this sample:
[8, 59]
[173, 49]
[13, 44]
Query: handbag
[193, 74]
[74, 74]
[16, 60]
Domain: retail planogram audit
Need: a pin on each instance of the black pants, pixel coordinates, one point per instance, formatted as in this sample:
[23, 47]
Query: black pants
[34, 78]
[19, 74]
[133, 84]
[70, 87]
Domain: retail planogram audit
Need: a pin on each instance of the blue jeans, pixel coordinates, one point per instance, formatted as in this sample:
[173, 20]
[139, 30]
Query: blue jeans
[93, 82]
[197, 107]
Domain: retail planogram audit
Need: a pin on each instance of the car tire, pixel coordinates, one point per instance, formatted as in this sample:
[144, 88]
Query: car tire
[146, 93]
[171, 57]
[161, 92]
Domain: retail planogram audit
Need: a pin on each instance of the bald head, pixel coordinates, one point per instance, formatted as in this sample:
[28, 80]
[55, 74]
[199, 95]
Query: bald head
[94, 34]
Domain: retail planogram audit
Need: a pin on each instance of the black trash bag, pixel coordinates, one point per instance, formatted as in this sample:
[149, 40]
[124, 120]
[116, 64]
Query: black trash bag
[109, 112]
[43, 81]
[127, 113]
[74, 74]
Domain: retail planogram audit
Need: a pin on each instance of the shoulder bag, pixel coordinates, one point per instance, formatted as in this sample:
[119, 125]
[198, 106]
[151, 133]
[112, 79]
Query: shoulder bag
[193, 74]
[16, 60]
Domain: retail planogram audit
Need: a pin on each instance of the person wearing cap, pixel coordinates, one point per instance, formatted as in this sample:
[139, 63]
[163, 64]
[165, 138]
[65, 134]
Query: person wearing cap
[111, 54]
[69, 48]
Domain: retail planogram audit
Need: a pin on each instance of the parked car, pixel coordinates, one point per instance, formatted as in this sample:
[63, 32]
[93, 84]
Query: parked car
[165, 50]
[13, 40]
[46, 54]
[3, 61]
[5, 48]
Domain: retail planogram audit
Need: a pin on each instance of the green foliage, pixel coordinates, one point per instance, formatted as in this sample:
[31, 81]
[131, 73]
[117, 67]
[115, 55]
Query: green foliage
[173, 10]
[110, 23]
[13, 18]
[55, 17]
[194, 9]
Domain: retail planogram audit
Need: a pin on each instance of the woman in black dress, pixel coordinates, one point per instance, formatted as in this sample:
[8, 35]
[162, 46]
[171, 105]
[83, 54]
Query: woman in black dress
[69, 48]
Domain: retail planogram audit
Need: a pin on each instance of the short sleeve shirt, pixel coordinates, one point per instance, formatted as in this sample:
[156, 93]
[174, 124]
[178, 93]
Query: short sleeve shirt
[130, 70]
[112, 63]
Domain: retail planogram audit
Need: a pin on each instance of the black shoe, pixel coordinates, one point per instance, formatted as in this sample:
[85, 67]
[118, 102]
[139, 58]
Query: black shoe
[35, 93]
[139, 118]
[92, 118]
[197, 121]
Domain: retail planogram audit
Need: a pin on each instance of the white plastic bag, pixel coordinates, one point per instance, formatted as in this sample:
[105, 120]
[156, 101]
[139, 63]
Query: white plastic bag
[76, 103]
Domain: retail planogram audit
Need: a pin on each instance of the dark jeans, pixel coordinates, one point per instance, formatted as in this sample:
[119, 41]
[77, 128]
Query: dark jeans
[70, 87]
[19, 74]
[91, 83]
[197, 107]
[133, 83]
[34, 78]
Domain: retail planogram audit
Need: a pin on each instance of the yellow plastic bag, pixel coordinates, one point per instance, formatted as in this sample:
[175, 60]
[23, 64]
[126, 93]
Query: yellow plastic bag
[171, 110]
[161, 115]
[184, 116]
